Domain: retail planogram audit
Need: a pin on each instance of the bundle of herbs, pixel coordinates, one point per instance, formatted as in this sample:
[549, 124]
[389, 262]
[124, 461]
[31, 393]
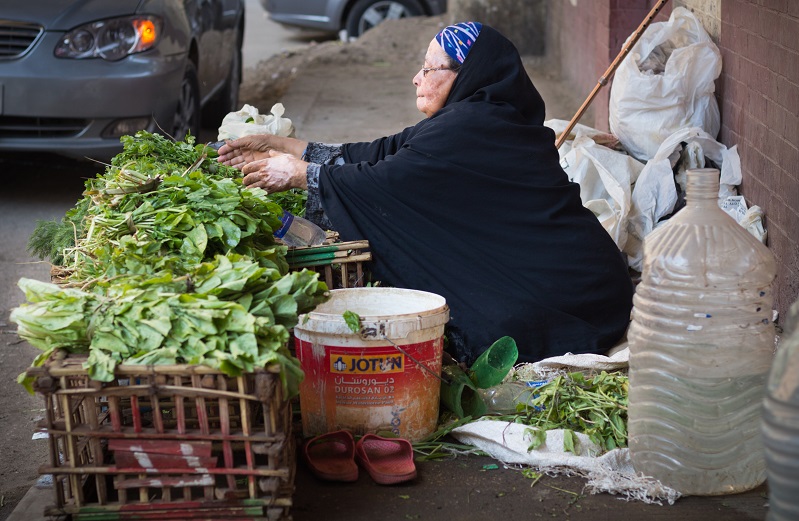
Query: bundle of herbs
[162, 198]
[170, 259]
[593, 405]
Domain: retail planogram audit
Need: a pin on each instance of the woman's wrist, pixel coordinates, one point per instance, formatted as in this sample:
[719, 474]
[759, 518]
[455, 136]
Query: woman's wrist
[300, 175]
[296, 147]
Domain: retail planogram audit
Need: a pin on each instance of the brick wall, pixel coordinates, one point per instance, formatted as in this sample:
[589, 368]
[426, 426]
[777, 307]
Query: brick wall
[760, 113]
[708, 12]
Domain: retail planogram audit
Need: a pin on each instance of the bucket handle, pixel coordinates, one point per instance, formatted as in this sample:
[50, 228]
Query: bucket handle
[417, 362]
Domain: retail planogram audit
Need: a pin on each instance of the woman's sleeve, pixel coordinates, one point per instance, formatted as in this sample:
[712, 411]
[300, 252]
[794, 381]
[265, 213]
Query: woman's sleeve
[318, 154]
[377, 150]
[323, 153]
[313, 205]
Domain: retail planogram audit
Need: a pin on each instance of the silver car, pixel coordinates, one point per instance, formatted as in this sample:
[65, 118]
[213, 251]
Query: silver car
[354, 16]
[77, 75]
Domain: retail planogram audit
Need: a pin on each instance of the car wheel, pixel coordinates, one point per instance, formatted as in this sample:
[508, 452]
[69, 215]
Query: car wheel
[187, 113]
[366, 14]
[228, 98]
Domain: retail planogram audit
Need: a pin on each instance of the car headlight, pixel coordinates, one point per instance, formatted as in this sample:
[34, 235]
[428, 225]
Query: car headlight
[111, 39]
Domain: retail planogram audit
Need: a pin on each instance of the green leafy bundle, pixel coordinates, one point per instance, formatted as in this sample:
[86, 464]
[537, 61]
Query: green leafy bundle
[185, 220]
[162, 204]
[293, 201]
[595, 406]
[176, 263]
[239, 319]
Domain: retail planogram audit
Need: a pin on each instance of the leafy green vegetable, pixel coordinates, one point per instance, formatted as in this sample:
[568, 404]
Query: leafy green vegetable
[176, 263]
[292, 201]
[140, 321]
[537, 437]
[434, 447]
[50, 239]
[163, 202]
[595, 406]
[353, 321]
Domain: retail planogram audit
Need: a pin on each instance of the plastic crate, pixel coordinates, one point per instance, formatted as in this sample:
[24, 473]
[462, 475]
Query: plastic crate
[166, 442]
[339, 264]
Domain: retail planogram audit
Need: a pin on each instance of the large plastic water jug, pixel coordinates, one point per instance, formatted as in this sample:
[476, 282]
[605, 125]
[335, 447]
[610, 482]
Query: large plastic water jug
[781, 426]
[701, 345]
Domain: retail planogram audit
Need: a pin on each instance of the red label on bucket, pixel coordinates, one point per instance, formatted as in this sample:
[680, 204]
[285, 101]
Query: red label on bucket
[370, 389]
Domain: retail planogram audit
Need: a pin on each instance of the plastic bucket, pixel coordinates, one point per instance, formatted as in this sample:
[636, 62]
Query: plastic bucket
[383, 378]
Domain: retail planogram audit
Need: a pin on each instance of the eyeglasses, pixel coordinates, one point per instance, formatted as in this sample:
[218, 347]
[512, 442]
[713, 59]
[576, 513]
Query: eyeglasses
[425, 70]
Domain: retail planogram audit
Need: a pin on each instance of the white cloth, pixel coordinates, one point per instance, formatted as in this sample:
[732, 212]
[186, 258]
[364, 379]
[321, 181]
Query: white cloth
[611, 472]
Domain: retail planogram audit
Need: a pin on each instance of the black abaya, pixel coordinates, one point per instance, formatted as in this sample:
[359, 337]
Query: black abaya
[473, 205]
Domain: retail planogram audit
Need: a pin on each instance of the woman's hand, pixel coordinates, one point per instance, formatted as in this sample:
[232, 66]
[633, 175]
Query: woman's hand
[277, 172]
[239, 152]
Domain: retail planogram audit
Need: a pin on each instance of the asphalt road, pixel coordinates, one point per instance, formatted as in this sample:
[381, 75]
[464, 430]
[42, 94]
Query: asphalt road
[33, 189]
[263, 38]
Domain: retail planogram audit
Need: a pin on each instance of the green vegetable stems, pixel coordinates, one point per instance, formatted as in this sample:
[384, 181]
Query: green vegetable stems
[170, 259]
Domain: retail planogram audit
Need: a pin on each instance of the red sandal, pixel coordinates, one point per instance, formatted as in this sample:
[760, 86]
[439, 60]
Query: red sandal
[331, 456]
[387, 460]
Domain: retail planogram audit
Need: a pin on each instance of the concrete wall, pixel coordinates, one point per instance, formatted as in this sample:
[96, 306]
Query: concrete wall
[523, 22]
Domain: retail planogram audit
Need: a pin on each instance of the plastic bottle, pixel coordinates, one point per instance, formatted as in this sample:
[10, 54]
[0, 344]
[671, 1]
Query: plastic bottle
[503, 398]
[781, 426]
[298, 231]
[494, 364]
[701, 345]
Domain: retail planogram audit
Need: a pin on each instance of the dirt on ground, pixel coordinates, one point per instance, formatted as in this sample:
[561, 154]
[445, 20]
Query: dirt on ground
[391, 43]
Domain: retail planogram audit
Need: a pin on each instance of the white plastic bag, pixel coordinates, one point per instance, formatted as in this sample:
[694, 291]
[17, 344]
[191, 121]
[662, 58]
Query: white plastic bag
[248, 121]
[750, 218]
[665, 84]
[599, 136]
[605, 177]
[655, 195]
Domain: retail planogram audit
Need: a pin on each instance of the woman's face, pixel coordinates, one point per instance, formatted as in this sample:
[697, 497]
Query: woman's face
[433, 87]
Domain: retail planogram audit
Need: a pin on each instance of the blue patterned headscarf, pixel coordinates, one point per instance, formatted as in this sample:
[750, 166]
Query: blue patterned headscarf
[458, 39]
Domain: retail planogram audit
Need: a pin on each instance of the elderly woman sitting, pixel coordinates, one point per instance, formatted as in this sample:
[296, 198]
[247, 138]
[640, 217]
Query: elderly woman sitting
[470, 203]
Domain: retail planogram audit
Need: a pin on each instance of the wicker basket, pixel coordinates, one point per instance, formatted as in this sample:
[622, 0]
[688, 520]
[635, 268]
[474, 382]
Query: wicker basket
[166, 442]
[339, 264]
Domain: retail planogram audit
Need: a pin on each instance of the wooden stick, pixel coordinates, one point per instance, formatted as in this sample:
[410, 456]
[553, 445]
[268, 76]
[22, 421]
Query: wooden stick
[189, 435]
[282, 472]
[603, 80]
[75, 368]
[193, 509]
[147, 390]
[333, 255]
